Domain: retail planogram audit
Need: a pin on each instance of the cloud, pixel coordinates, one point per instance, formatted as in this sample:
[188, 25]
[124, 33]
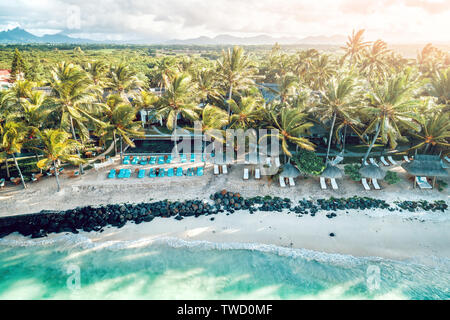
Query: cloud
[167, 19]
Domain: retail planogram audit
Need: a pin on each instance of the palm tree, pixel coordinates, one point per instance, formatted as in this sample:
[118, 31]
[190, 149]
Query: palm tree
[440, 87]
[245, 113]
[213, 120]
[286, 86]
[119, 117]
[355, 46]
[206, 82]
[14, 136]
[123, 80]
[97, 72]
[435, 131]
[374, 63]
[57, 147]
[73, 93]
[234, 70]
[178, 99]
[322, 70]
[337, 101]
[391, 105]
[291, 125]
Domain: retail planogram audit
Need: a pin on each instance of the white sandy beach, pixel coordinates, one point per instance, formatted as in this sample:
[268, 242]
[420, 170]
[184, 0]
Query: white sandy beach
[377, 233]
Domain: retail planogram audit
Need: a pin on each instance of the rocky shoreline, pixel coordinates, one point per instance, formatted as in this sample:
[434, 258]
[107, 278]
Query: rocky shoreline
[96, 219]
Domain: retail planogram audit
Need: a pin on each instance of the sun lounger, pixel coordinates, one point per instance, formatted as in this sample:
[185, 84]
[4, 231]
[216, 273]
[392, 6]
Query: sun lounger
[169, 159]
[141, 174]
[216, 169]
[135, 160]
[375, 184]
[224, 169]
[126, 160]
[144, 161]
[192, 157]
[291, 182]
[200, 171]
[268, 161]
[323, 183]
[16, 181]
[423, 183]
[152, 160]
[372, 161]
[152, 173]
[384, 162]
[190, 172]
[179, 172]
[127, 173]
[183, 158]
[121, 174]
[334, 184]
[161, 160]
[245, 174]
[282, 182]
[447, 159]
[391, 160]
[161, 173]
[257, 174]
[277, 162]
[2, 183]
[112, 174]
[170, 172]
[365, 184]
[406, 158]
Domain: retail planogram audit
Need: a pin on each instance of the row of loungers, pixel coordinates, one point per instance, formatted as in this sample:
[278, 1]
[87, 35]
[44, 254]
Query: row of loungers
[365, 183]
[290, 182]
[157, 160]
[257, 174]
[388, 161]
[157, 172]
[323, 183]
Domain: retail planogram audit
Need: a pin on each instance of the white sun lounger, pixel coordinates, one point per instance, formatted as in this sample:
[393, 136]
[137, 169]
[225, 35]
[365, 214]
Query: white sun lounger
[245, 174]
[406, 158]
[224, 169]
[291, 182]
[334, 184]
[372, 161]
[365, 184]
[384, 162]
[268, 162]
[375, 184]
[364, 162]
[282, 183]
[277, 162]
[216, 169]
[423, 183]
[392, 160]
[257, 174]
[447, 159]
[323, 183]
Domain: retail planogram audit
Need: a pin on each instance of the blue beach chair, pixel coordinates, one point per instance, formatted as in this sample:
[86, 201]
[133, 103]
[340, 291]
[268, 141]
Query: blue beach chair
[192, 157]
[152, 173]
[190, 172]
[141, 174]
[144, 161]
[152, 160]
[161, 173]
[121, 174]
[127, 173]
[161, 160]
[179, 172]
[183, 158]
[135, 160]
[126, 160]
[112, 174]
[170, 172]
[200, 171]
[169, 159]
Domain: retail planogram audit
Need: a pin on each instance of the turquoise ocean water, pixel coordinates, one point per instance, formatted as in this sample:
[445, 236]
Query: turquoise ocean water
[71, 267]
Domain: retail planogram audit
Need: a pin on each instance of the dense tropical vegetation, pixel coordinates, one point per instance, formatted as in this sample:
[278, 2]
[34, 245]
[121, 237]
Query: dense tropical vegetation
[366, 92]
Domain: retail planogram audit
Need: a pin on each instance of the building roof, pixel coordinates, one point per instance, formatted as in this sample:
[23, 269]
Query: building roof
[426, 166]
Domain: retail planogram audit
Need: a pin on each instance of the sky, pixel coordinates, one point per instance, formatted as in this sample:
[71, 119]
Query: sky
[395, 21]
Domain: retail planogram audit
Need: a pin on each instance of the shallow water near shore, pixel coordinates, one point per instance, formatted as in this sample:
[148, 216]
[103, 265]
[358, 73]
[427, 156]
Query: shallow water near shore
[72, 267]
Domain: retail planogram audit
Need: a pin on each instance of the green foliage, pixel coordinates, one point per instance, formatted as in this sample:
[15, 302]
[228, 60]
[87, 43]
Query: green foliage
[352, 170]
[18, 66]
[391, 177]
[308, 162]
[441, 185]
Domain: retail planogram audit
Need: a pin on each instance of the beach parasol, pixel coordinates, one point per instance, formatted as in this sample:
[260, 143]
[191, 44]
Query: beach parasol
[332, 172]
[289, 171]
[372, 172]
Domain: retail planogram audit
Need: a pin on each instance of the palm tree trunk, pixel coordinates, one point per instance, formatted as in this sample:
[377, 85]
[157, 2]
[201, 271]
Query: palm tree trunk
[115, 144]
[372, 143]
[8, 174]
[331, 135]
[75, 138]
[56, 175]
[20, 172]
[230, 94]
[121, 150]
[175, 124]
[344, 139]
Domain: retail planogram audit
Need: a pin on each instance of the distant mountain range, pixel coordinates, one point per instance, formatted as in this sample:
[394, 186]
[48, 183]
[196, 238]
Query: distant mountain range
[260, 40]
[18, 35]
[21, 36]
